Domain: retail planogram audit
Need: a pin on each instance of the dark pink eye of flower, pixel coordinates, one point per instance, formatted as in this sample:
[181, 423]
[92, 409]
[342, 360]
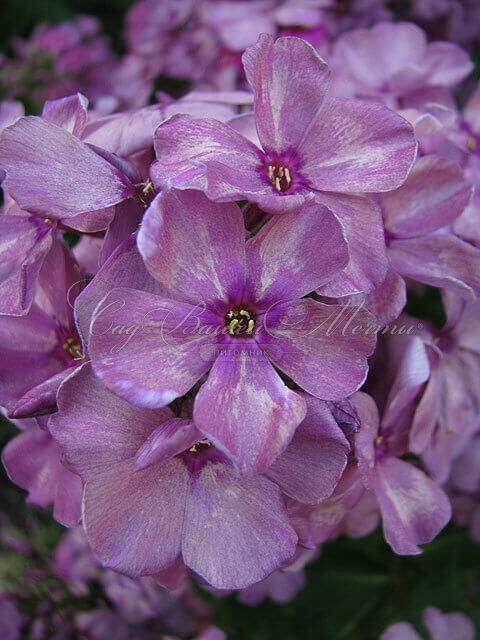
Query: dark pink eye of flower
[240, 321]
[44, 226]
[71, 348]
[280, 176]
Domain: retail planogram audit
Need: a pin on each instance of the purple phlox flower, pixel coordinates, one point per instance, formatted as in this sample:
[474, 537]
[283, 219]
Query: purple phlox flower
[459, 18]
[102, 624]
[437, 124]
[282, 585]
[469, 139]
[404, 368]
[56, 181]
[443, 131]
[466, 512]
[52, 174]
[10, 619]
[414, 509]
[420, 244]
[239, 24]
[446, 415]
[363, 518]
[56, 60]
[391, 60]
[315, 525]
[135, 459]
[73, 560]
[464, 487]
[124, 268]
[87, 254]
[441, 626]
[233, 309]
[41, 348]
[130, 133]
[172, 38]
[181, 611]
[465, 476]
[313, 145]
[124, 84]
[417, 218]
[149, 24]
[10, 111]
[33, 461]
[194, 55]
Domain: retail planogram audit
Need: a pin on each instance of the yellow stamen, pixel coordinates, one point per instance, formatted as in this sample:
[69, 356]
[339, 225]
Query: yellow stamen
[231, 327]
[194, 448]
[472, 143]
[280, 177]
[72, 347]
[239, 321]
[148, 188]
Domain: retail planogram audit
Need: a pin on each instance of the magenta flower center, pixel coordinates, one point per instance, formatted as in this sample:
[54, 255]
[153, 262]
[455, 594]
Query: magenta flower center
[280, 177]
[239, 321]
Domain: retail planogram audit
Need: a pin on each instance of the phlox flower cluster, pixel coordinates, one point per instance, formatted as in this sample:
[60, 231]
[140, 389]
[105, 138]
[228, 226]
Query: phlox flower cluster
[205, 337]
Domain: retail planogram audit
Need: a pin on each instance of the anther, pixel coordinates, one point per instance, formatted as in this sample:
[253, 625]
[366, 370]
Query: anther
[472, 144]
[148, 188]
[233, 324]
[239, 321]
[205, 442]
[72, 347]
[279, 177]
